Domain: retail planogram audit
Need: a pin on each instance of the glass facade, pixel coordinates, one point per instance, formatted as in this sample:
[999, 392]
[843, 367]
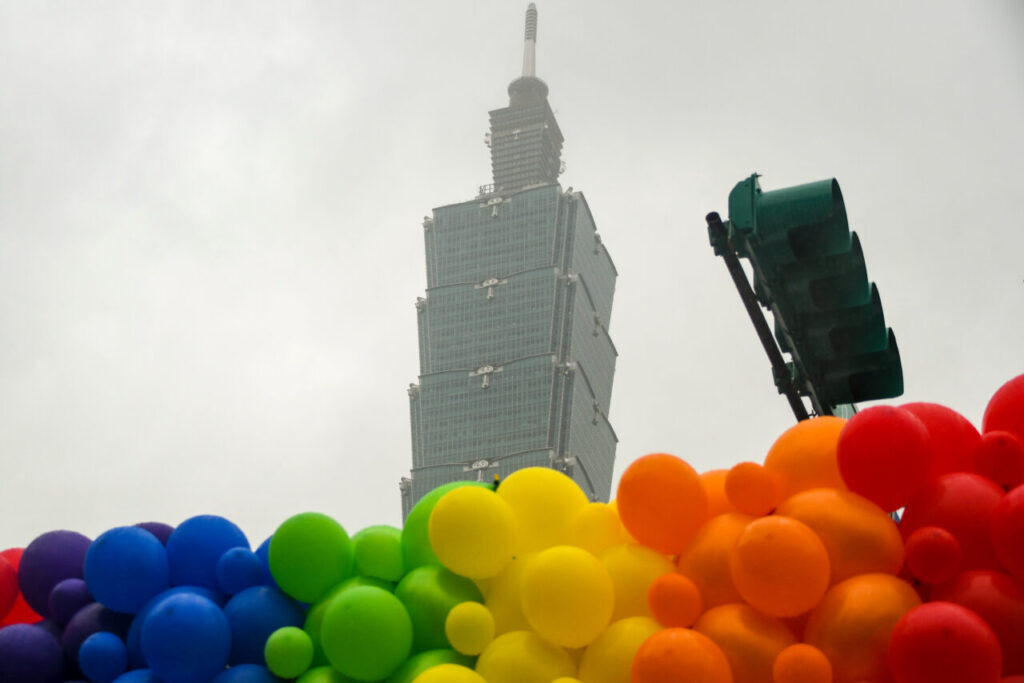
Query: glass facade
[516, 364]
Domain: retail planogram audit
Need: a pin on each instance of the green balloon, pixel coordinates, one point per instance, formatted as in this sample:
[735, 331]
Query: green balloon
[417, 664]
[366, 633]
[378, 552]
[315, 615]
[428, 594]
[324, 674]
[309, 554]
[416, 548]
[288, 651]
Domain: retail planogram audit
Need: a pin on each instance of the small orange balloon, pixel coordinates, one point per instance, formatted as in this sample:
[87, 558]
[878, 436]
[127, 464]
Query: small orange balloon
[706, 559]
[853, 622]
[713, 482]
[679, 654]
[749, 640]
[752, 489]
[804, 457]
[859, 536]
[674, 601]
[661, 502]
[802, 663]
[780, 566]
[632, 568]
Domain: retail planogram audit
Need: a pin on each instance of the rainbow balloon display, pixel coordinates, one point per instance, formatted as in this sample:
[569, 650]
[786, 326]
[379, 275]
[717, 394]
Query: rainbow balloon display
[789, 570]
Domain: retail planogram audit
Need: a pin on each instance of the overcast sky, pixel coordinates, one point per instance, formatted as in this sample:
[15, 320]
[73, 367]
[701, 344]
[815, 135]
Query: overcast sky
[211, 240]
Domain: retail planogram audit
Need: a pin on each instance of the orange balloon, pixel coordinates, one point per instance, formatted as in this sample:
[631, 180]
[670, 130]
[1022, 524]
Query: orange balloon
[780, 566]
[749, 640]
[679, 654]
[802, 663]
[752, 489]
[859, 536]
[674, 601]
[706, 559]
[804, 457]
[713, 482]
[661, 502]
[853, 622]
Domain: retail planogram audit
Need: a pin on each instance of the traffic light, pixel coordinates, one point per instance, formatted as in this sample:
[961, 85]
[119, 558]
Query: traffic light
[809, 271]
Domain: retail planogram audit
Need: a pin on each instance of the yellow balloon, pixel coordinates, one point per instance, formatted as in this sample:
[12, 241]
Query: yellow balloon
[567, 596]
[610, 657]
[449, 673]
[469, 627]
[632, 568]
[523, 657]
[596, 528]
[566, 679]
[473, 532]
[544, 502]
[503, 597]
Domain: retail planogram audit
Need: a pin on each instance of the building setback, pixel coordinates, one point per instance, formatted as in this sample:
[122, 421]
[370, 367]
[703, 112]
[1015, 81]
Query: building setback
[516, 364]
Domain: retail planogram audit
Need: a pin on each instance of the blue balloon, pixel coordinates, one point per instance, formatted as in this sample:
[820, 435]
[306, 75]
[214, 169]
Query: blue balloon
[238, 569]
[30, 655]
[134, 638]
[103, 657]
[253, 615]
[246, 673]
[195, 547]
[263, 552]
[186, 638]
[66, 598]
[138, 676]
[125, 567]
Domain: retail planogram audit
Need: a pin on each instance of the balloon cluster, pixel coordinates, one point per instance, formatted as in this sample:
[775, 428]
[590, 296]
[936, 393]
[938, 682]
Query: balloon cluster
[789, 570]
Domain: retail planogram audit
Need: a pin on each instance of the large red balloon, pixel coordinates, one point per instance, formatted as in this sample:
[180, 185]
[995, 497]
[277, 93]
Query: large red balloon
[940, 642]
[1005, 410]
[20, 613]
[884, 455]
[951, 436]
[961, 503]
[999, 600]
[1007, 529]
[1000, 457]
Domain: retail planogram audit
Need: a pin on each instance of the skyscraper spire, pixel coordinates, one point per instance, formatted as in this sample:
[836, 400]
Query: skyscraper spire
[526, 144]
[530, 44]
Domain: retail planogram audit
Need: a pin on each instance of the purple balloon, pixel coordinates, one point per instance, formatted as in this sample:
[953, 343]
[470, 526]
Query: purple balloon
[29, 654]
[48, 560]
[159, 529]
[91, 619]
[66, 598]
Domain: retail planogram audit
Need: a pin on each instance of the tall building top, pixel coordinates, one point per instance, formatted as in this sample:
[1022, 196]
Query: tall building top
[525, 141]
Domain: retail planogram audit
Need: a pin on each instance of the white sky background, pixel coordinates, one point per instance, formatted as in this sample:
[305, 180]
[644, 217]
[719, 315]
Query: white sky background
[211, 241]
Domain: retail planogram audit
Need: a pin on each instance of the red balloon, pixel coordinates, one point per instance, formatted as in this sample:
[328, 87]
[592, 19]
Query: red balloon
[932, 554]
[8, 587]
[961, 503]
[1007, 529]
[999, 600]
[884, 455]
[1005, 410]
[951, 437]
[1000, 457]
[20, 613]
[940, 642]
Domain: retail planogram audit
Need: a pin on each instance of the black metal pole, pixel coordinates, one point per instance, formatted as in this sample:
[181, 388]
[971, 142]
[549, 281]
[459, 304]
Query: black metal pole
[725, 249]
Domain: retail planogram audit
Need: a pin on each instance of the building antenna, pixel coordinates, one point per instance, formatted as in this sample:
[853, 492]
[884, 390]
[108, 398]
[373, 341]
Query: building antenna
[530, 46]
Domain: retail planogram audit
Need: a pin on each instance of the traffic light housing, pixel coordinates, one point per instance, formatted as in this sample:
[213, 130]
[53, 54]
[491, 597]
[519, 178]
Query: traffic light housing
[809, 271]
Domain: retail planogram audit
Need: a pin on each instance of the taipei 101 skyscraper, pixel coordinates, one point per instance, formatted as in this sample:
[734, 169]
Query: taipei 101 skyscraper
[516, 364]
